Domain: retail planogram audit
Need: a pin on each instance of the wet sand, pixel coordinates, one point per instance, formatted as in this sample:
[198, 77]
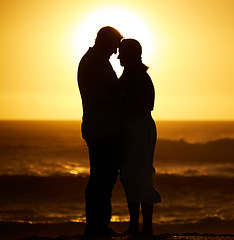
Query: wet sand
[74, 231]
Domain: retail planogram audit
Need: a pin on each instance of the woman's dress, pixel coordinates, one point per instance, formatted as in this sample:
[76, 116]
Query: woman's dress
[137, 173]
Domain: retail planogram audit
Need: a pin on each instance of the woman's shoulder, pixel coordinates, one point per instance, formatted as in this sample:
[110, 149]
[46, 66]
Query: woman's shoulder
[142, 76]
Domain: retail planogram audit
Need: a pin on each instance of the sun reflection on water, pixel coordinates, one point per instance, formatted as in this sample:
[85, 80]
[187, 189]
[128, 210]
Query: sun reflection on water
[116, 218]
[78, 220]
[75, 170]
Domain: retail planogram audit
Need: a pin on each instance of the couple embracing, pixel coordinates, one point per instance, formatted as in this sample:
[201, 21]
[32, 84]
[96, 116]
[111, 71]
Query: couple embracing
[119, 131]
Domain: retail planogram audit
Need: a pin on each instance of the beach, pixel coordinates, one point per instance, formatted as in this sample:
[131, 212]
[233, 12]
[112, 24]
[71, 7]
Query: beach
[69, 231]
[44, 170]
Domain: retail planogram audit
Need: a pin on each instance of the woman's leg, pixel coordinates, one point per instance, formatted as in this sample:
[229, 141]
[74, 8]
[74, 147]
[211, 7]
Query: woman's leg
[147, 212]
[133, 208]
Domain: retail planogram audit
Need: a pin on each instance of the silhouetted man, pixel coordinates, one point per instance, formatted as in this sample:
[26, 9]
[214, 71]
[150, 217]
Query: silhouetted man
[101, 128]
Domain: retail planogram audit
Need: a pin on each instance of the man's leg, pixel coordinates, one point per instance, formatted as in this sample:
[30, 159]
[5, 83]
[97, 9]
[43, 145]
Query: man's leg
[133, 227]
[104, 157]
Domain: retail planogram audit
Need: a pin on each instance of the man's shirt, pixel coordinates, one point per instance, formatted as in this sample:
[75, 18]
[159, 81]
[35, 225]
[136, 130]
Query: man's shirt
[95, 78]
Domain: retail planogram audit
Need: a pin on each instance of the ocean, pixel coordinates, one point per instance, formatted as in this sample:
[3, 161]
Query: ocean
[44, 170]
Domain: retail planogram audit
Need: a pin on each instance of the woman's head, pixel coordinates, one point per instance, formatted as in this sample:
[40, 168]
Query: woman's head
[129, 52]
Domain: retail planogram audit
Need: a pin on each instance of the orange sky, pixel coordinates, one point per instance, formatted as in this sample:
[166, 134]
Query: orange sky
[188, 46]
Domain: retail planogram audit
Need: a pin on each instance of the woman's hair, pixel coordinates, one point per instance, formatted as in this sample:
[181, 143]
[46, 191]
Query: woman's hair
[131, 47]
[133, 50]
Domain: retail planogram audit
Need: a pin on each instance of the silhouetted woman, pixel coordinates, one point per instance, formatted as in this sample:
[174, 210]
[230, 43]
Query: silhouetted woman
[137, 171]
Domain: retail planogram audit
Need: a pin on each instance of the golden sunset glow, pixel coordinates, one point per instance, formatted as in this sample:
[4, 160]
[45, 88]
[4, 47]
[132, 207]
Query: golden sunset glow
[129, 25]
[188, 46]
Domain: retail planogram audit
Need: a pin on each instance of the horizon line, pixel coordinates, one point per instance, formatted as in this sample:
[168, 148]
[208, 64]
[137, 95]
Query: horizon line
[79, 120]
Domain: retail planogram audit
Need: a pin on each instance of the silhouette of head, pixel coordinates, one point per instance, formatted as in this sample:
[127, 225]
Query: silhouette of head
[130, 51]
[107, 40]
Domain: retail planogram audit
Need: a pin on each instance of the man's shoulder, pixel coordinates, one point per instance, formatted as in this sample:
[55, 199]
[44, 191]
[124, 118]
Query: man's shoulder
[95, 65]
[87, 56]
[93, 57]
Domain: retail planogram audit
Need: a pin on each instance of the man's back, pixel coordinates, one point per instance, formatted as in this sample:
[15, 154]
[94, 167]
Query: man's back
[95, 76]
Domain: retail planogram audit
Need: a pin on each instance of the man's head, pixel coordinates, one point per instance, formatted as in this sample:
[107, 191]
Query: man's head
[107, 40]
